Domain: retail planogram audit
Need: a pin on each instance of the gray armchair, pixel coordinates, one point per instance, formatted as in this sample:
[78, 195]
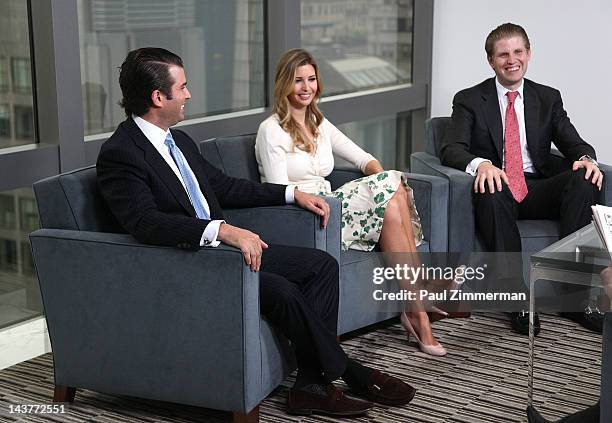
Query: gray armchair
[236, 157]
[462, 235]
[155, 322]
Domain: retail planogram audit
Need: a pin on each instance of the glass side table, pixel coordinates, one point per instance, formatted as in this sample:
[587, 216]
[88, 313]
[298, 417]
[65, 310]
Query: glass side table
[576, 259]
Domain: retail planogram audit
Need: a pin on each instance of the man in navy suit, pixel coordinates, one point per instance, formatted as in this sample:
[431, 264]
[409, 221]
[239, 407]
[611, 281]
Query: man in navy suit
[164, 192]
[501, 132]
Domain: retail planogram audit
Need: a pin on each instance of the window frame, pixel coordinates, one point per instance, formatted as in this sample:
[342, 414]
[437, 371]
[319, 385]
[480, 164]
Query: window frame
[56, 83]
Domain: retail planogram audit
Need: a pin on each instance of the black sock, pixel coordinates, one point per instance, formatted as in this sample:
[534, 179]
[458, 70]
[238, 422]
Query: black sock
[356, 375]
[306, 377]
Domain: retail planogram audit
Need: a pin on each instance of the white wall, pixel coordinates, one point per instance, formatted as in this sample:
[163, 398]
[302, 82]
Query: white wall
[571, 46]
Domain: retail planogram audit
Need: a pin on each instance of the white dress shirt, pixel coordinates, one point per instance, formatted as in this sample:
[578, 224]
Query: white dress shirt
[519, 108]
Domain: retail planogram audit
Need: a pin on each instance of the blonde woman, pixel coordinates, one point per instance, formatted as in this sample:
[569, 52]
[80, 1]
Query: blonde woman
[296, 145]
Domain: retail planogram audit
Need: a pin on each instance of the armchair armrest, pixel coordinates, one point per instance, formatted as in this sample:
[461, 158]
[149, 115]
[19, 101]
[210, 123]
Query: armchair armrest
[605, 197]
[112, 303]
[461, 225]
[292, 225]
[431, 200]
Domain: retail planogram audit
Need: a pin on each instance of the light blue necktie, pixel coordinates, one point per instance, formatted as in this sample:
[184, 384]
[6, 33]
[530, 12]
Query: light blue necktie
[196, 197]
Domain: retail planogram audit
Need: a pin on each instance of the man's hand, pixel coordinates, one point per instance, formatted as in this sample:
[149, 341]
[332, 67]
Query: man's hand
[592, 171]
[313, 203]
[248, 242]
[492, 175]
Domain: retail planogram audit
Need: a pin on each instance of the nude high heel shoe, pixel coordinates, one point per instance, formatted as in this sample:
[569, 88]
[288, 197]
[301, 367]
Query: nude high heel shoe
[435, 350]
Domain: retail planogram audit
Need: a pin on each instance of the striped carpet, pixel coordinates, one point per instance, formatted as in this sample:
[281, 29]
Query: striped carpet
[482, 380]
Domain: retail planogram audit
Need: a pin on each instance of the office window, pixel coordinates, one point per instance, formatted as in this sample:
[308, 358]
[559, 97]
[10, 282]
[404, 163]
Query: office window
[7, 212]
[19, 291]
[4, 75]
[22, 75]
[387, 138]
[8, 255]
[27, 263]
[24, 122]
[28, 214]
[221, 43]
[5, 121]
[359, 44]
[15, 75]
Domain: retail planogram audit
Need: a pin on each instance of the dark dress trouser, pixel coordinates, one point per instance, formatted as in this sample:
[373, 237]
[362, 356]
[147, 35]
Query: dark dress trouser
[566, 196]
[299, 296]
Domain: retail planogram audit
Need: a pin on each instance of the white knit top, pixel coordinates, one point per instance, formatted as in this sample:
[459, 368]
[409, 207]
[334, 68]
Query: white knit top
[280, 163]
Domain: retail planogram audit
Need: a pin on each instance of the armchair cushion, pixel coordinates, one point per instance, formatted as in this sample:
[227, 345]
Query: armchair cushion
[235, 156]
[72, 201]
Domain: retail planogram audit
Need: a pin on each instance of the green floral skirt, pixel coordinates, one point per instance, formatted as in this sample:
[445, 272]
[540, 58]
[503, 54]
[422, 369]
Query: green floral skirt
[364, 201]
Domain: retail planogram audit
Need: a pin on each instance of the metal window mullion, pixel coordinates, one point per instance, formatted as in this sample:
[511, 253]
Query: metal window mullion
[422, 45]
[57, 75]
[283, 32]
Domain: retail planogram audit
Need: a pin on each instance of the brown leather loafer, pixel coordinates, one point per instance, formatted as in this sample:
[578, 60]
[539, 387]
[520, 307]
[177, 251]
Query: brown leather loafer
[385, 389]
[333, 403]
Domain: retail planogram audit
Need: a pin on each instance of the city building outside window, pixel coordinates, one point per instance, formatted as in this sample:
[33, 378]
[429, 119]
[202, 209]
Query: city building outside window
[22, 75]
[4, 75]
[16, 100]
[221, 42]
[359, 44]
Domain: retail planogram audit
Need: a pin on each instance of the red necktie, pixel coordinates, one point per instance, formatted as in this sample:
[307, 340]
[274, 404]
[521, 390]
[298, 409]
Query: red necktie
[512, 152]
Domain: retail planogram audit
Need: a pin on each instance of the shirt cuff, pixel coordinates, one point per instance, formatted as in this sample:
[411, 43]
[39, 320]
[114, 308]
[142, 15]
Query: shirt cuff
[589, 159]
[472, 166]
[290, 194]
[209, 237]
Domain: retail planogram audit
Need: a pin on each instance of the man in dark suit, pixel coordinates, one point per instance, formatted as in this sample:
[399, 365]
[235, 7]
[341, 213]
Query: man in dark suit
[501, 132]
[164, 192]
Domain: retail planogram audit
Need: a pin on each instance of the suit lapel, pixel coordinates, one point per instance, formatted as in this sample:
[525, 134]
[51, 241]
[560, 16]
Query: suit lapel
[532, 111]
[159, 166]
[490, 108]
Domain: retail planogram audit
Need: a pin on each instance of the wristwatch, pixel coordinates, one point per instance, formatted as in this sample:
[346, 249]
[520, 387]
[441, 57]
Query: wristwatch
[589, 159]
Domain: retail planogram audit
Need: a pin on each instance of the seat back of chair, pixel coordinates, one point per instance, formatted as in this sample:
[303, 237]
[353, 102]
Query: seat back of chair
[435, 129]
[235, 156]
[72, 201]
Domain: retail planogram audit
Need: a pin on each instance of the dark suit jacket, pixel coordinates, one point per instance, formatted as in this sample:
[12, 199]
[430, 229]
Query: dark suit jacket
[476, 128]
[150, 202]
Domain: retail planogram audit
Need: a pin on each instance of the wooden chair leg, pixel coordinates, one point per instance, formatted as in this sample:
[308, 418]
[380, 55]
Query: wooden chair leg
[252, 417]
[63, 393]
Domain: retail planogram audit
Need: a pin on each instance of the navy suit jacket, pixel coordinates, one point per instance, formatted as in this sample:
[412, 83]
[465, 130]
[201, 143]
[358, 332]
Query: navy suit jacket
[476, 128]
[148, 199]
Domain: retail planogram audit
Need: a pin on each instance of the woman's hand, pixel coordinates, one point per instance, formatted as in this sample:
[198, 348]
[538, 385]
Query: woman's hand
[373, 167]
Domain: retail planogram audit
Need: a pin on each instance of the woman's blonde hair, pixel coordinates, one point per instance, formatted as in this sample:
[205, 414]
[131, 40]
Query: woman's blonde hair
[284, 83]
